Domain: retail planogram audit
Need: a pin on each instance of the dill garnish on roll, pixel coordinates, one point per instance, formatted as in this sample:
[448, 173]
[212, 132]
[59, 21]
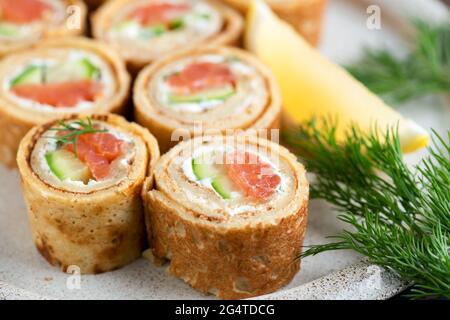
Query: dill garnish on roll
[82, 179]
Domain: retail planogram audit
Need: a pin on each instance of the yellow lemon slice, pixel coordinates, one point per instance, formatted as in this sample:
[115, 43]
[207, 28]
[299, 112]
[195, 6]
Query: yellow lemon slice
[312, 85]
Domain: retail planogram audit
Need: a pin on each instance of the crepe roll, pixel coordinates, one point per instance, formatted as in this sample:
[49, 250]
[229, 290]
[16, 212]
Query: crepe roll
[24, 23]
[304, 15]
[82, 179]
[229, 213]
[58, 78]
[214, 88]
[145, 30]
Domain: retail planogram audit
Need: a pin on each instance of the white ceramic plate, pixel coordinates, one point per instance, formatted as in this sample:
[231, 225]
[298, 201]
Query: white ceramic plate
[333, 275]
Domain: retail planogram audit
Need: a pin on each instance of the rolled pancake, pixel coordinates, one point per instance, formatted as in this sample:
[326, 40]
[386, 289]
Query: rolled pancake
[68, 56]
[233, 247]
[96, 226]
[304, 15]
[254, 101]
[61, 18]
[141, 37]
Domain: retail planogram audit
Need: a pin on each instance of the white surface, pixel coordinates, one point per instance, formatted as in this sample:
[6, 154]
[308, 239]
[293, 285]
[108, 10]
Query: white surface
[23, 273]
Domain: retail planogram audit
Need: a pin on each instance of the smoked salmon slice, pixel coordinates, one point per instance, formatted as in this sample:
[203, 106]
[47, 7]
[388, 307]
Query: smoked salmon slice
[104, 144]
[200, 76]
[64, 94]
[22, 11]
[159, 13]
[97, 150]
[249, 173]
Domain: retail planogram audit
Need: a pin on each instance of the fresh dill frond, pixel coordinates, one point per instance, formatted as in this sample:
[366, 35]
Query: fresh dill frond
[399, 217]
[72, 130]
[426, 70]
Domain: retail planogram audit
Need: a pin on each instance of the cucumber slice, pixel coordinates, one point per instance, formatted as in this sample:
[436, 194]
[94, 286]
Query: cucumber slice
[176, 24]
[90, 70]
[153, 31]
[69, 71]
[8, 29]
[65, 165]
[127, 26]
[201, 16]
[213, 94]
[31, 74]
[203, 168]
[132, 28]
[223, 186]
[233, 59]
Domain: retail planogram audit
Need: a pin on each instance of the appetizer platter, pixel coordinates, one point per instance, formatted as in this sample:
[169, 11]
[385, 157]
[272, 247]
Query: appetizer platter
[104, 169]
[101, 200]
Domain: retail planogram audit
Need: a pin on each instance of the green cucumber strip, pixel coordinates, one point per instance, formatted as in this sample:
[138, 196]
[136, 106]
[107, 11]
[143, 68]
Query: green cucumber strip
[65, 165]
[8, 29]
[204, 16]
[203, 168]
[232, 59]
[223, 186]
[90, 70]
[72, 70]
[124, 25]
[213, 94]
[176, 24]
[66, 71]
[154, 31]
[31, 74]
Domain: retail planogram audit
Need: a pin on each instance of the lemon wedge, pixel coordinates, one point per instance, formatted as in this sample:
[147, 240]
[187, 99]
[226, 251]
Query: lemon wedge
[312, 85]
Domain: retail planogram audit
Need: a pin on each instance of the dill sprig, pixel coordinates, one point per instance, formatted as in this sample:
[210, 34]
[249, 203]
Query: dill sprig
[399, 217]
[73, 130]
[426, 70]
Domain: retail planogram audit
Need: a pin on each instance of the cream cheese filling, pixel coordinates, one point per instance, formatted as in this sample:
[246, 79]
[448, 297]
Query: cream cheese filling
[120, 167]
[107, 79]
